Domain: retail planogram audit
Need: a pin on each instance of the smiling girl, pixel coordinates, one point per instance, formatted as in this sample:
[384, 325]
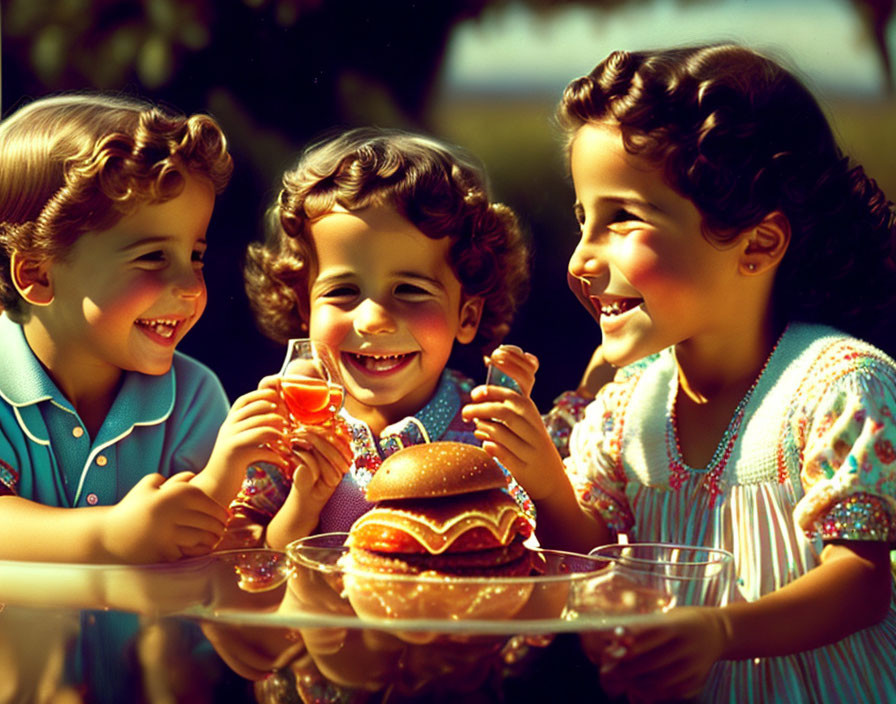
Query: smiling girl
[740, 266]
[385, 245]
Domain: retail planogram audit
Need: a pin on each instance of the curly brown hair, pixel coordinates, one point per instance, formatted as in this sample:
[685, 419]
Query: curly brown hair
[440, 189]
[74, 163]
[741, 137]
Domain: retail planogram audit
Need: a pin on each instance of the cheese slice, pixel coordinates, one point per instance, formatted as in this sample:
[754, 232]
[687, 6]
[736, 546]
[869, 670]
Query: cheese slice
[437, 523]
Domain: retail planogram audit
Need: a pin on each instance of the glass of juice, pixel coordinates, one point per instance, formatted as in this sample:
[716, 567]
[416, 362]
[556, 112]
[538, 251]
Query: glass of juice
[310, 382]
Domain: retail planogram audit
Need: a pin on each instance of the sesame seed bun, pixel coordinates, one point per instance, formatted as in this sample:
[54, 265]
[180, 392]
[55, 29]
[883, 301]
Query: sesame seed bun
[435, 469]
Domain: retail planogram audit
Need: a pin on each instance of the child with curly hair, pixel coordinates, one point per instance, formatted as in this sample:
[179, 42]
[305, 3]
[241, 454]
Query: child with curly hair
[114, 447]
[386, 245]
[740, 268]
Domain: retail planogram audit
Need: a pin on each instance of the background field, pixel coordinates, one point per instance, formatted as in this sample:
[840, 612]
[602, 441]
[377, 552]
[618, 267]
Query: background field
[485, 74]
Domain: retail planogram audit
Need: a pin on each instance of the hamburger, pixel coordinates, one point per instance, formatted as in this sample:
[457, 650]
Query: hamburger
[442, 527]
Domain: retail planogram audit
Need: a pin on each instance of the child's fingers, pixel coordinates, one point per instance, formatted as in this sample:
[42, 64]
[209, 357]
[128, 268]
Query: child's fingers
[281, 459]
[269, 395]
[180, 478]
[505, 446]
[195, 550]
[272, 381]
[256, 409]
[327, 442]
[502, 435]
[523, 417]
[258, 437]
[187, 504]
[523, 366]
[194, 540]
[510, 357]
[331, 456]
[204, 521]
[493, 393]
[307, 472]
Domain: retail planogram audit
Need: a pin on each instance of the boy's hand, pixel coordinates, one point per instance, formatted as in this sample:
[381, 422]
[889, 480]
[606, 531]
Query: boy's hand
[162, 520]
[322, 455]
[253, 431]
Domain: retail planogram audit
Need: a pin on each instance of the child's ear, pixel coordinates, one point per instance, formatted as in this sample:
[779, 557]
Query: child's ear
[470, 315]
[765, 244]
[31, 277]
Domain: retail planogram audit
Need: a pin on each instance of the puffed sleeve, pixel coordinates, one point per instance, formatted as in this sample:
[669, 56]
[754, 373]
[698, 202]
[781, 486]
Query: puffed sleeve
[849, 457]
[594, 465]
[568, 409]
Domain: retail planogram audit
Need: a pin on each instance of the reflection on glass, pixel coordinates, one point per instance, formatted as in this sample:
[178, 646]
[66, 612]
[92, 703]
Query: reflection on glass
[311, 382]
[643, 578]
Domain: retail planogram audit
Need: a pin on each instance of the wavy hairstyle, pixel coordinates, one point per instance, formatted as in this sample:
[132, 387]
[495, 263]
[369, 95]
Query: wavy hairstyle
[440, 189]
[75, 163]
[741, 137]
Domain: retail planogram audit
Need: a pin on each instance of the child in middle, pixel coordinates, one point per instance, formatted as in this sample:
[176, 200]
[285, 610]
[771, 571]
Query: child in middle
[384, 244]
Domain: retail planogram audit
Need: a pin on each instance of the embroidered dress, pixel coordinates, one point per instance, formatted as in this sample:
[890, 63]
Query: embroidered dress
[809, 455]
[265, 488]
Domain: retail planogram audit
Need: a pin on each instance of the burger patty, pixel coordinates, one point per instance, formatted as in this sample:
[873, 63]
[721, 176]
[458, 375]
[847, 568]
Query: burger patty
[509, 560]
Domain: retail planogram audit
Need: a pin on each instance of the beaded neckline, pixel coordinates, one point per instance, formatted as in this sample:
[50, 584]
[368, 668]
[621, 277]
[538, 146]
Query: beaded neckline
[712, 481]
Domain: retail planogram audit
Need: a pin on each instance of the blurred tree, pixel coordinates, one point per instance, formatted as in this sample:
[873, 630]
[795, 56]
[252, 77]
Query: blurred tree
[274, 73]
[876, 16]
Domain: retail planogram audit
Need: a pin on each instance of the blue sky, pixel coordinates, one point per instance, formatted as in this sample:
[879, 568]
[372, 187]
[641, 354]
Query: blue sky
[511, 49]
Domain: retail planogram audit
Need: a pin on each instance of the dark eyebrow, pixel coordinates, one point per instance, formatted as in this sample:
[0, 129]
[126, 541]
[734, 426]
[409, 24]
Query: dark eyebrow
[626, 202]
[334, 278]
[154, 240]
[419, 277]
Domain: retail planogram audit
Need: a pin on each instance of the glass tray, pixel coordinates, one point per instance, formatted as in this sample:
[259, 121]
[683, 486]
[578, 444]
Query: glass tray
[307, 588]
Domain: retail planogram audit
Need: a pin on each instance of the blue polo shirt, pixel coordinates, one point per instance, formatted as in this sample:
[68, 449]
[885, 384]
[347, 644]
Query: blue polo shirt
[163, 424]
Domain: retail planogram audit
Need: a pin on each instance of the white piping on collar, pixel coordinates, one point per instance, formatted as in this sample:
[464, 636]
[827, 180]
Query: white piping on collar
[25, 429]
[112, 441]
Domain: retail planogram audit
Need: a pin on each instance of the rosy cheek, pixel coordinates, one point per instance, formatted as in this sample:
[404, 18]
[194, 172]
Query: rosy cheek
[131, 297]
[648, 267]
[329, 325]
[430, 327]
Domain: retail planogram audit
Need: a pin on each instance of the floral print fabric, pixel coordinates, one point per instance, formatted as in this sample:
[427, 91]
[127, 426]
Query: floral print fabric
[811, 459]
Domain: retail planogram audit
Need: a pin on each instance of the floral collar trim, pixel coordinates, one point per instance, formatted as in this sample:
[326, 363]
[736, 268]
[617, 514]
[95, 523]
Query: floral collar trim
[429, 424]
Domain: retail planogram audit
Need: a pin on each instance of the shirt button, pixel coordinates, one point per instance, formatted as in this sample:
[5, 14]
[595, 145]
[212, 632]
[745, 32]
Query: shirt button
[101, 460]
[77, 431]
[92, 499]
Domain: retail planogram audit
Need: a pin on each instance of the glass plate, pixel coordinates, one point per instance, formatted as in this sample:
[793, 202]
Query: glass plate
[308, 586]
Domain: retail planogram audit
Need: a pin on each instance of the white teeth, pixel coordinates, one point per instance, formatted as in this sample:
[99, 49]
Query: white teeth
[379, 362]
[162, 327]
[616, 307]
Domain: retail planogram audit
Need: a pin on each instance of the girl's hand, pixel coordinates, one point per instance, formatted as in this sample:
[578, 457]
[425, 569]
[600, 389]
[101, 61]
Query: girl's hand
[321, 456]
[253, 431]
[324, 456]
[667, 660]
[518, 365]
[512, 431]
[162, 520]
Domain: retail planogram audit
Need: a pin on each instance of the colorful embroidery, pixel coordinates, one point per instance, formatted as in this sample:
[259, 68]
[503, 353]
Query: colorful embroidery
[9, 480]
[860, 517]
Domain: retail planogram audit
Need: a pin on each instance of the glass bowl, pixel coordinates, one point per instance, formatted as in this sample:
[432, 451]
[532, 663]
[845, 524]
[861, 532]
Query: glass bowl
[651, 577]
[324, 580]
